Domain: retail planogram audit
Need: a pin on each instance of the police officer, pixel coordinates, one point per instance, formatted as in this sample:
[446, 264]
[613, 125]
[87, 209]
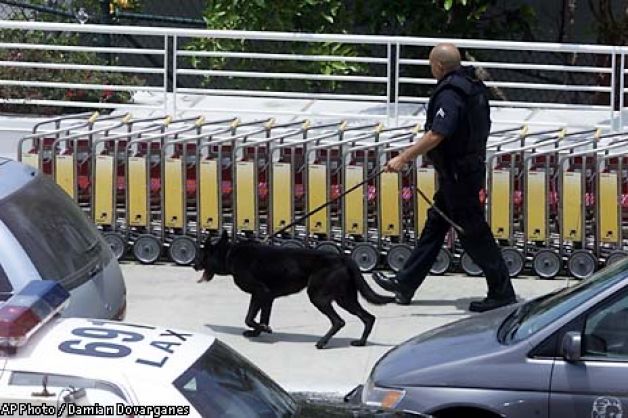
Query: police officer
[456, 131]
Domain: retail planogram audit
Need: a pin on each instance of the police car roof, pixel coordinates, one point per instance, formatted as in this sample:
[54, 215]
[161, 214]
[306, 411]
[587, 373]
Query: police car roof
[109, 350]
[13, 176]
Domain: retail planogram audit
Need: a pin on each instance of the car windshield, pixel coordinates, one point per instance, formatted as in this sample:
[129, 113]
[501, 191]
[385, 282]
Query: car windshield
[535, 315]
[221, 383]
[54, 232]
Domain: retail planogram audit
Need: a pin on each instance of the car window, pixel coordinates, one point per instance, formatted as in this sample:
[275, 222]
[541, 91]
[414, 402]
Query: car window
[606, 332]
[538, 313]
[54, 232]
[62, 381]
[223, 384]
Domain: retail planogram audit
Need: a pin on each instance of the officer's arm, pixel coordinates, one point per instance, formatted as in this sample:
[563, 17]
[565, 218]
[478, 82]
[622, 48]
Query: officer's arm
[429, 140]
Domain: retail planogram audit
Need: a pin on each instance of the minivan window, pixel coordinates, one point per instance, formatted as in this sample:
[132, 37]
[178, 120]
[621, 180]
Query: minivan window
[535, 315]
[54, 232]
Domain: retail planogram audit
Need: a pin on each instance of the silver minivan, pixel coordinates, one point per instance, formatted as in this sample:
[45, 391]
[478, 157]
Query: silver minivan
[562, 355]
[45, 235]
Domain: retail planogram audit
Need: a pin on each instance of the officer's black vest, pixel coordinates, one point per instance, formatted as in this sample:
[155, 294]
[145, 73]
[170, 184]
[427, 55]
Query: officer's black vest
[469, 141]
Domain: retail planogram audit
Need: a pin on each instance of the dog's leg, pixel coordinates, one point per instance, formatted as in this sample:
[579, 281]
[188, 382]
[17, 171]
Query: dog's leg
[265, 316]
[352, 305]
[323, 303]
[254, 307]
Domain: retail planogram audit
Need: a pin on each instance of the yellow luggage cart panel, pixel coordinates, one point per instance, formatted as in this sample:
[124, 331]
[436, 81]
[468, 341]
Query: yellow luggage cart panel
[173, 193]
[609, 208]
[245, 196]
[103, 191]
[317, 195]
[282, 195]
[500, 204]
[354, 201]
[572, 206]
[138, 189]
[31, 160]
[426, 179]
[209, 195]
[536, 207]
[64, 173]
[390, 224]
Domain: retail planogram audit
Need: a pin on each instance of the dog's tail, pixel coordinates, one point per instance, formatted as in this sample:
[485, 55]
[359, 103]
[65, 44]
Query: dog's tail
[364, 288]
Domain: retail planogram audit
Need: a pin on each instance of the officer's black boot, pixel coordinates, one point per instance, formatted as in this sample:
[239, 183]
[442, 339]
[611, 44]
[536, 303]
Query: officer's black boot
[402, 296]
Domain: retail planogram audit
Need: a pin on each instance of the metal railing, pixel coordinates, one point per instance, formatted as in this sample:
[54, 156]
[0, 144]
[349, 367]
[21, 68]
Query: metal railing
[389, 72]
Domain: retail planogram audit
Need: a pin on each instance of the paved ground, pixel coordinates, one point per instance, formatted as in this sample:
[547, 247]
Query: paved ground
[168, 295]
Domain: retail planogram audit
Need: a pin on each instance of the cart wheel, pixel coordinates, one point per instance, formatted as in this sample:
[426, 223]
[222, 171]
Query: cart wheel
[366, 256]
[514, 261]
[397, 256]
[581, 264]
[442, 263]
[116, 243]
[328, 247]
[182, 251]
[546, 264]
[469, 266]
[615, 256]
[147, 249]
[292, 243]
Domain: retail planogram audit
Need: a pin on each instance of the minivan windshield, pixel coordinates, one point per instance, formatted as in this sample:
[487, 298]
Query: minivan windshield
[535, 315]
[57, 236]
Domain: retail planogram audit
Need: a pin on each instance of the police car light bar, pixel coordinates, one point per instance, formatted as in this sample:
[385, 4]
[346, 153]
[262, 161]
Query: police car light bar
[26, 311]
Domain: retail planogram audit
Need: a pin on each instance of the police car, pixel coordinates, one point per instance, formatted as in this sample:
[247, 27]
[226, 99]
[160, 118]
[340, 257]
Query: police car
[54, 366]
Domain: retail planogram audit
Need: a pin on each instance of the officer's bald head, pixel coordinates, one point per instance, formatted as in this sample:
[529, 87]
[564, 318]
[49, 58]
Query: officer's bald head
[444, 58]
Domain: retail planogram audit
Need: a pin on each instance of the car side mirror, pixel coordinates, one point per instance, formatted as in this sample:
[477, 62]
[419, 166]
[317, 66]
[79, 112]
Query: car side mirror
[572, 346]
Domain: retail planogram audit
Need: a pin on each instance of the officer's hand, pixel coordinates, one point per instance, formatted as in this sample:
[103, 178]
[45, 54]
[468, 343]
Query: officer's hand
[396, 164]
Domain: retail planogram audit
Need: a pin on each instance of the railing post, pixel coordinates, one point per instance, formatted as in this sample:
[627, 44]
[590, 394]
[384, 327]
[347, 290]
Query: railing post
[389, 85]
[622, 77]
[174, 75]
[166, 78]
[397, 59]
[613, 89]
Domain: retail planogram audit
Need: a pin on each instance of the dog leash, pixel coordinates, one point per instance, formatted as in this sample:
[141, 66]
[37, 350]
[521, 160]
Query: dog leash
[454, 225]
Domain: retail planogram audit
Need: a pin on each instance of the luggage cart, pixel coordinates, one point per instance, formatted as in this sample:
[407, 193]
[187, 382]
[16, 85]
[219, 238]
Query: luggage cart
[504, 168]
[322, 180]
[542, 200]
[611, 187]
[179, 204]
[359, 208]
[108, 165]
[215, 167]
[287, 185]
[392, 203]
[38, 154]
[144, 190]
[250, 175]
[580, 218]
[71, 158]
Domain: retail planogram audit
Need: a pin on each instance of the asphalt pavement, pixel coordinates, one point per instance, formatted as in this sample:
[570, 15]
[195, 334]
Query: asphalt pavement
[169, 295]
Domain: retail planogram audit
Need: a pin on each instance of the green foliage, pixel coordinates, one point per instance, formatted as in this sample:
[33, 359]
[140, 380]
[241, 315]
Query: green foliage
[63, 76]
[434, 18]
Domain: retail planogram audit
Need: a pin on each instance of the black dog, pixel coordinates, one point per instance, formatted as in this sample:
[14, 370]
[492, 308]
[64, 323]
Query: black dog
[268, 272]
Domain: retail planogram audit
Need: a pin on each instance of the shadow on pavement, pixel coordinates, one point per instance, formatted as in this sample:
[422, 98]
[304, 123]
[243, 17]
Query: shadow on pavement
[461, 304]
[335, 342]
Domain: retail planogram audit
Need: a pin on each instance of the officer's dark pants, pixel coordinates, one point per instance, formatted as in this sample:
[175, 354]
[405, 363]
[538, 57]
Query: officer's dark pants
[459, 199]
